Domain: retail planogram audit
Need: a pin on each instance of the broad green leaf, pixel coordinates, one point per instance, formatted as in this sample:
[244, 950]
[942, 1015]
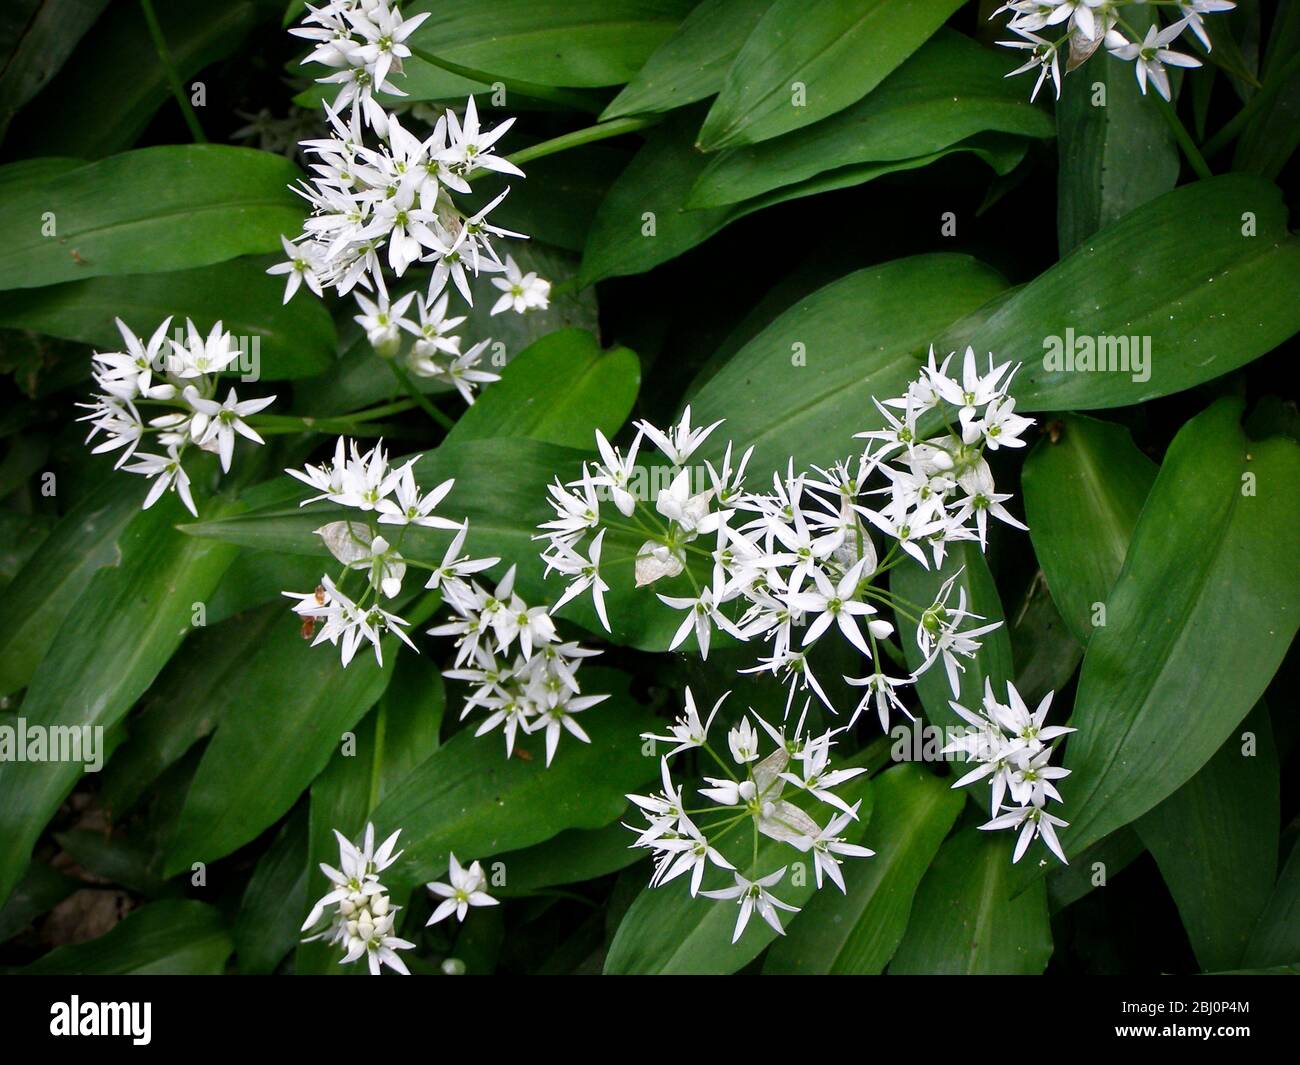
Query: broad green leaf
[179, 709]
[164, 208]
[294, 340]
[858, 932]
[504, 510]
[666, 932]
[1276, 939]
[128, 622]
[1116, 150]
[644, 221]
[1202, 277]
[807, 59]
[964, 918]
[48, 586]
[562, 42]
[39, 891]
[692, 63]
[1200, 616]
[281, 717]
[992, 662]
[175, 937]
[256, 578]
[561, 389]
[270, 912]
[469, 798]
[130, 84]
[1108, 857]
[38, 36]
[123, 858]
[951, 89]
[1084, 484]
[1215, 840]
[822, 361]
[26, 172]
[572, 856]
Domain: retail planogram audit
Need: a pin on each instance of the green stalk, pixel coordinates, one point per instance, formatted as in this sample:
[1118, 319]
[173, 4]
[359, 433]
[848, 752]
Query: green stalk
[169, 67]
[404, 379]
[1184, 139]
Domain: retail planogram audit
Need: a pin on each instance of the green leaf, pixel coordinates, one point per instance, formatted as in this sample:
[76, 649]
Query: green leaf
[1115, 155]
[468, 797]
[1215, 840]
[837, 51]
[858, 932]
[1272, 135]
[572, 856]
[992, 662]
[951, 89]
[179, 710]
[821, 362]
[1208, 296]
[562, 42]
[666, 932]
[164, 208]
[692, 63]
[172, 938]
[38, 36]
[129, 621]
[659, 180]
[293, 340]
[39, 891]
[1276, 939]
[47, 587]
[270, 913]
[1045, 653]
[129, 81]
[1200, 616]
[1084, 484]
[282, 715]
[964, 918]
[1067, 884]
[561, 389]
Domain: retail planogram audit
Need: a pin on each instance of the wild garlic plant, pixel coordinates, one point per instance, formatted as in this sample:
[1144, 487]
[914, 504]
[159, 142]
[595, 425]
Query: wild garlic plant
[1046, 28]
[1010, 745]
[525, 676]
[394, 202]
[364, 916]
[751, 793]
[177, 383]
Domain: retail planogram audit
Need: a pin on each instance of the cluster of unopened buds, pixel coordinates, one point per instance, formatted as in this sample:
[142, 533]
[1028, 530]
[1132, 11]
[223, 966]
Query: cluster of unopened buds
[1010, 745]
[394, 202]
[363, 917]
[180, 379]
[751, 791]
[1046, 28]
[790, 566]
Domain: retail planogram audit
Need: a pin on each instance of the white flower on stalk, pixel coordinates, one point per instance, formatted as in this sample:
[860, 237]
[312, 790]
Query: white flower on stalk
[411, 507]
[521, 292]
[167, 473]
[468, 887]
[615, 472]
[754, 897]
[382, 322]
[688, 731]
[827, 843]
[1193, 10]
[201, 355]
[1032, 822]
[214, 424]
[129, 374]
[1151, 54]
[470, 148]
[679, 442]
[305, 264]
[838, 604]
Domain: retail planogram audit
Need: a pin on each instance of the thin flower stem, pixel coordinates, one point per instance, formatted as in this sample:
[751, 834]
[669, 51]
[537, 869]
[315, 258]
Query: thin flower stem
[169, 68]
[1238, 121]
[599, 132]
[579, 101]
[404, 379]
[1184, 139]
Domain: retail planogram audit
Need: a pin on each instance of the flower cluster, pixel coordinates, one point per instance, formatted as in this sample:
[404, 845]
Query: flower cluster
[534, 687]
[750, 792]
[1086, 25]
[362, 922]
[1010, 745]
[791, 565]
[388, 498]
[393, 202]
[181, 379]
[364, 916]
